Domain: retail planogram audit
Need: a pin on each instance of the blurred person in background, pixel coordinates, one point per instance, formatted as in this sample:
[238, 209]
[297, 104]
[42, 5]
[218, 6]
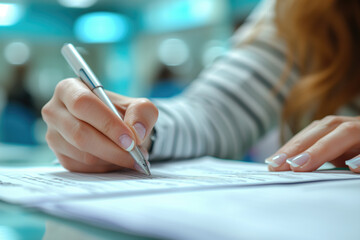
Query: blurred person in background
[294, 64]
[17, 122]
[166, 85]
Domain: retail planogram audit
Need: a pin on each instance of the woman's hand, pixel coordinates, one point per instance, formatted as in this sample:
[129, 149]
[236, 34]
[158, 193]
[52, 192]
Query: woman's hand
[333, 139]
[86, 136]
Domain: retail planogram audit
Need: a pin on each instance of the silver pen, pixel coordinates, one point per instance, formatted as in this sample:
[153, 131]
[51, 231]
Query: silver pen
[83, 71]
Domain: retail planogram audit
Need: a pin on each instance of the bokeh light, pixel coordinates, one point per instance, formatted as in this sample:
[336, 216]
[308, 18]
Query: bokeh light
[173, 52]
[10, 13]
[8, 233]
[101, 27]
[17, 53]
[212, 50]
[178, 15]
[77, 3]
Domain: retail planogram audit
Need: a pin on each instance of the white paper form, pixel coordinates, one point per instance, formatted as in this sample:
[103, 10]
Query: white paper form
[321, 210]
[32, 186]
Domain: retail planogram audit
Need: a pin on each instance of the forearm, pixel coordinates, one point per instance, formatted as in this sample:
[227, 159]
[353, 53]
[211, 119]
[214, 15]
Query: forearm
[232, 103]
[224, 112]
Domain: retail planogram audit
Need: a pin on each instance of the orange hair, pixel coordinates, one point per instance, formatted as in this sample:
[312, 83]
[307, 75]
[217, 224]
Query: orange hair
[323, 38]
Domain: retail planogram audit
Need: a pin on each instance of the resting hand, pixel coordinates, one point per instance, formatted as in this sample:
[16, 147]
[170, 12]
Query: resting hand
[333, 139]
[86, 136]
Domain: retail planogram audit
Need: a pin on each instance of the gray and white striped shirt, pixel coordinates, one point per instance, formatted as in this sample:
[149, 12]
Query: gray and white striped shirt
[231, 104]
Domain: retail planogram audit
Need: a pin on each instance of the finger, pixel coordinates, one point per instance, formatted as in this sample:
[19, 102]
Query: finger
[300, 142]
[87, 107]
[87, 139]
[328, 148]
[88, 163]
[60, 146]
[303, 140]
[75, 166]
[350, 154]
[141, 115]
[354, 164]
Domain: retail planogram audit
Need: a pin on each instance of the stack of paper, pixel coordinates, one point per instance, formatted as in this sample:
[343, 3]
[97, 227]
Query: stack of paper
[198, 199]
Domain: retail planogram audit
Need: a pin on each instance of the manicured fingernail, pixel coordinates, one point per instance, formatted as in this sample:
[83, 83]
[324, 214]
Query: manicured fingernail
[353, 163]
[277, 160]
[299, 160]
[126, 142]
[140, 130]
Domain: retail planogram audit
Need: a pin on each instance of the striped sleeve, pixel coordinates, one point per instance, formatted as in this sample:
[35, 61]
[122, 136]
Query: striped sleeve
[229, 106]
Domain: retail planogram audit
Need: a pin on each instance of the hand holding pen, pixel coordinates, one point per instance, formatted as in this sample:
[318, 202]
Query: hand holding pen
[85, 127]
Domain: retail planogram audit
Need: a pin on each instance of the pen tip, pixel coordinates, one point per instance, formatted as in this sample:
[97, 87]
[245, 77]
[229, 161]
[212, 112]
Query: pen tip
[147, 170]
[141, 164]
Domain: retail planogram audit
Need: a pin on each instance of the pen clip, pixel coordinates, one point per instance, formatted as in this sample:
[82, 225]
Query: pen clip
[91, 83]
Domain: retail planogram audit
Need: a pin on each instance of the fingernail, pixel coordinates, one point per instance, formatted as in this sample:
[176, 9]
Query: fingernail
[353, 163]
[277, 160]
[140, 130]
[126, 142]
[299, 160]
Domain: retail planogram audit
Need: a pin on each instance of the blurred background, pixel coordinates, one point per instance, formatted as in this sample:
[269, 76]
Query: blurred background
[140, 48]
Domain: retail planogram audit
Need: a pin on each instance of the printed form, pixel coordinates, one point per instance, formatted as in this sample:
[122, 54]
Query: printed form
[33, 186]
[207, 197]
